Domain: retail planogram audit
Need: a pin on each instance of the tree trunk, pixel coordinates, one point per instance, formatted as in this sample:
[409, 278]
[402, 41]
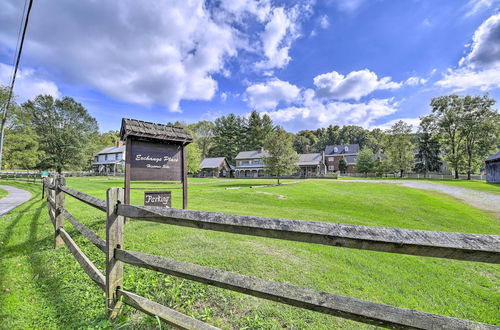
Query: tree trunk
[456, 172]
[278, 180]
[401, 173]
[469, 166]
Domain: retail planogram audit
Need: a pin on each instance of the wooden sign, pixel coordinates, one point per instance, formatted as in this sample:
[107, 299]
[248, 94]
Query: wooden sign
[150, 161]
[155, 153]
[158, 198]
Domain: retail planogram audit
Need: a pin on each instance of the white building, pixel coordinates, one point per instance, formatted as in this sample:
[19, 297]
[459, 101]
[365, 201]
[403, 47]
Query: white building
[110, 160]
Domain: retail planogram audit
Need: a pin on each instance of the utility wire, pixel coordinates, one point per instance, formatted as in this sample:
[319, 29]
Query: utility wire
[18, 59]
[18, 37]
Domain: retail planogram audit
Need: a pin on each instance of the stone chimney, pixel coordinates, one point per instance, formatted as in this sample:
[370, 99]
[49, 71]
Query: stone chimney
[260, 150]
[119, 143]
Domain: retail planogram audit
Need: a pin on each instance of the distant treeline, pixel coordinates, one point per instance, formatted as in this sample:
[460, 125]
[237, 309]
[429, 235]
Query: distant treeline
[60, 134]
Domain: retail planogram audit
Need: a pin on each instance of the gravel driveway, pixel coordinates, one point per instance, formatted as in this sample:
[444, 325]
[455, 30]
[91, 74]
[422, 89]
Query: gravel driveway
[489, 202]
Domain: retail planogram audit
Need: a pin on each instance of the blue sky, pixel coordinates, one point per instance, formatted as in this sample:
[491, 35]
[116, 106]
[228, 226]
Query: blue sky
[308, 64]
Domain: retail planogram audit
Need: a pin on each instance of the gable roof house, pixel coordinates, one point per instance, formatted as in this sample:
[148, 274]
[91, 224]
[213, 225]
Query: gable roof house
[311, 165]
[250, 164]
[110, 160]
[334, 153]
[215, 167]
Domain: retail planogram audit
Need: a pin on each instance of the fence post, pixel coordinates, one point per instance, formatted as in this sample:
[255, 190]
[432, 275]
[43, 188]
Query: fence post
[50, 180]
[59, 199]
[114, 240]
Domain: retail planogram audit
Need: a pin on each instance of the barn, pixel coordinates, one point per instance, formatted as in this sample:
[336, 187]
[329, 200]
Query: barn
[493, 168]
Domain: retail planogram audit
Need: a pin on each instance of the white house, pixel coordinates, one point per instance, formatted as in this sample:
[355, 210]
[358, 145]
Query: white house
[110, 160]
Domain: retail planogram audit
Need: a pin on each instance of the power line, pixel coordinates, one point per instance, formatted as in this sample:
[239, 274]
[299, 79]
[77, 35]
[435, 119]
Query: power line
[7, 104]
[18, 37]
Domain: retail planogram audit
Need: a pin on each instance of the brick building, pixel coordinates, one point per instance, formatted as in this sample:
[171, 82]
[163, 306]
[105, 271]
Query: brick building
[333, 154]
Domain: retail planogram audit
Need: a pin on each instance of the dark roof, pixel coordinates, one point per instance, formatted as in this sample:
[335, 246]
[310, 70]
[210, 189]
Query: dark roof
[254, 154]
[112, 150]
[351, 149]
[493, 157]
[309, 159]
[212, 162]
[151, 131]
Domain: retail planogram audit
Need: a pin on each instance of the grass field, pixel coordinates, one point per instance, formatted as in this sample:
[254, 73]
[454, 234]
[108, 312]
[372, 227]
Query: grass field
[44, 288]
[479, 185]
[3, 193]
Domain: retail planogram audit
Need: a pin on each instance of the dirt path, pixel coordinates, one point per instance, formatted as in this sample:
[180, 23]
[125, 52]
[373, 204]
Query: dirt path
[489, 202]
[15, 198]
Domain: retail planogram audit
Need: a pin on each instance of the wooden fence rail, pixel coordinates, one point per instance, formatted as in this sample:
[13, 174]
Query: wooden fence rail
[467, 247]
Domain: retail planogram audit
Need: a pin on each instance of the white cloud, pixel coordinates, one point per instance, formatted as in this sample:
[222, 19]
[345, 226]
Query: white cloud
[485, 49]
[480, 68]
[475, 6]
[28, 83]
[414, 122]
[464, 79]
[313, 114]
[415, 81]
[268, 95]
[324, 22]
[349, 6]
[152, 52]
[223, 96]
[353, 86]
[277, 37]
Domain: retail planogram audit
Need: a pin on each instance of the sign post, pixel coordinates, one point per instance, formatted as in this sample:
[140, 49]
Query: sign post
[156, 154]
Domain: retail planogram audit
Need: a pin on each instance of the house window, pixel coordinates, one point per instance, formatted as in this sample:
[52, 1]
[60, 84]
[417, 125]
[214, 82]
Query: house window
[331, 168]
[106, 157]
[346, 148]
[330, 159]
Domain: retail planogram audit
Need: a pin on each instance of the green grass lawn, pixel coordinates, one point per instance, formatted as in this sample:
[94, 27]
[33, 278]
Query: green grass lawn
[479, 185]
[45, 288]
[3, 193]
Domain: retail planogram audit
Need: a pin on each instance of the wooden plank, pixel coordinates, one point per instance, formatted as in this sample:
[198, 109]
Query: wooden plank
[166, 314]
[128, 153]
[345, 307]
[90, 200]
[159, 188]
[114, 240]
[184, 177]
[85, 231]
[470, 247]
[59, 220]
[87, 265]
[51, 202]
[52, 217]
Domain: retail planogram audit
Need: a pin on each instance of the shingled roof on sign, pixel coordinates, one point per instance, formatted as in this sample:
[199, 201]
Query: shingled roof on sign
[151, 131]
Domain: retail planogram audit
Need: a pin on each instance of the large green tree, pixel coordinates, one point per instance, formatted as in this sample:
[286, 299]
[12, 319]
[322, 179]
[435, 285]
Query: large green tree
[428, 155]
[480, 130]
[281, 157]
[229, 137]
[400, 148]
[365, 162]
[467, 127]
[446, 119]
[203, 133]
[66, 132]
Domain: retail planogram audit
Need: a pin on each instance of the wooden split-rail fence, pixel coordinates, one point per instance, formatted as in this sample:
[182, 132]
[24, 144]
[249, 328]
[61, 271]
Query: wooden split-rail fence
[26, 177]
[459, 246]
